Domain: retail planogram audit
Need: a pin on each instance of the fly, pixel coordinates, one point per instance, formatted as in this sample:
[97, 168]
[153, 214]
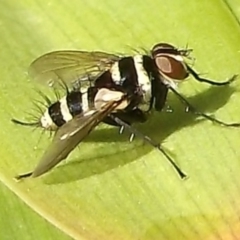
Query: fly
[144, 79]
[70, 134]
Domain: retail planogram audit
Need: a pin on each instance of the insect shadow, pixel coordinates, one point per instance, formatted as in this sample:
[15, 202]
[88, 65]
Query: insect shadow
[158, 127]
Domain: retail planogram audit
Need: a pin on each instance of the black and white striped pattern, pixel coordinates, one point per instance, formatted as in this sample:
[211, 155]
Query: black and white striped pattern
[62, 111]
[125, 75]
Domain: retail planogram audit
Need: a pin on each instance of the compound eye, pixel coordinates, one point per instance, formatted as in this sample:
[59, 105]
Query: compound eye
[171, 67]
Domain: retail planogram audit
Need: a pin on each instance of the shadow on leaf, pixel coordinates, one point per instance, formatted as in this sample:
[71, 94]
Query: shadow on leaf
[158, 127]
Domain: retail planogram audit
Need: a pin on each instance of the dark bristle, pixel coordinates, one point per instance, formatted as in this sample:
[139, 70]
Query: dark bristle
[135, 50]
[145, 51]
[56, 93]
[62, 84]
[38, 108]
[22, 176]
[45, 97]
[39, 103]
[33, 124]
[34, 118]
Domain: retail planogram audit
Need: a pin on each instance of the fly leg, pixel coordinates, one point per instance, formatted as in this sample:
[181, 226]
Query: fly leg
[150, 141]
[192, 109]
[198, 78]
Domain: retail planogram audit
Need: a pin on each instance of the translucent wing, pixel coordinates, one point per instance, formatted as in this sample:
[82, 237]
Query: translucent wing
[70, 66]
[65, 140]
[68, 137]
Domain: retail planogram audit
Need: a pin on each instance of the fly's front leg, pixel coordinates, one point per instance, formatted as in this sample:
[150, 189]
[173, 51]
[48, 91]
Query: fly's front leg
[192, 109]
[198, 78]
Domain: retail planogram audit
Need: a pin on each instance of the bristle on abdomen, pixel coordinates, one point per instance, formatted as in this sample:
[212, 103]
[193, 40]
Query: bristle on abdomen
[57, 113]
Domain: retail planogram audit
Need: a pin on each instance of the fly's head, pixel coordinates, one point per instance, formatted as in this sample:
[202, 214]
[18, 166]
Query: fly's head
[170, 63]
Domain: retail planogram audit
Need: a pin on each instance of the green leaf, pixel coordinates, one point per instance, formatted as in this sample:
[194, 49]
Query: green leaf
[18, 221]
[109, 188]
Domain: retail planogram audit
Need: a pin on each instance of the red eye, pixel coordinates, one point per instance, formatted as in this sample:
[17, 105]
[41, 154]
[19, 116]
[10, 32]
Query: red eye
[171, 67]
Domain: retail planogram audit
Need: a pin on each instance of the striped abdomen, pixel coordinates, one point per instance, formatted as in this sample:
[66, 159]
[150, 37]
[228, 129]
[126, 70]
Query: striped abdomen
[62, 111]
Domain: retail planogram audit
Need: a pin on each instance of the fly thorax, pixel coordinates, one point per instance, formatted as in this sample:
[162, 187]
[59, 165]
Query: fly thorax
[144, 83]
[115, 73]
